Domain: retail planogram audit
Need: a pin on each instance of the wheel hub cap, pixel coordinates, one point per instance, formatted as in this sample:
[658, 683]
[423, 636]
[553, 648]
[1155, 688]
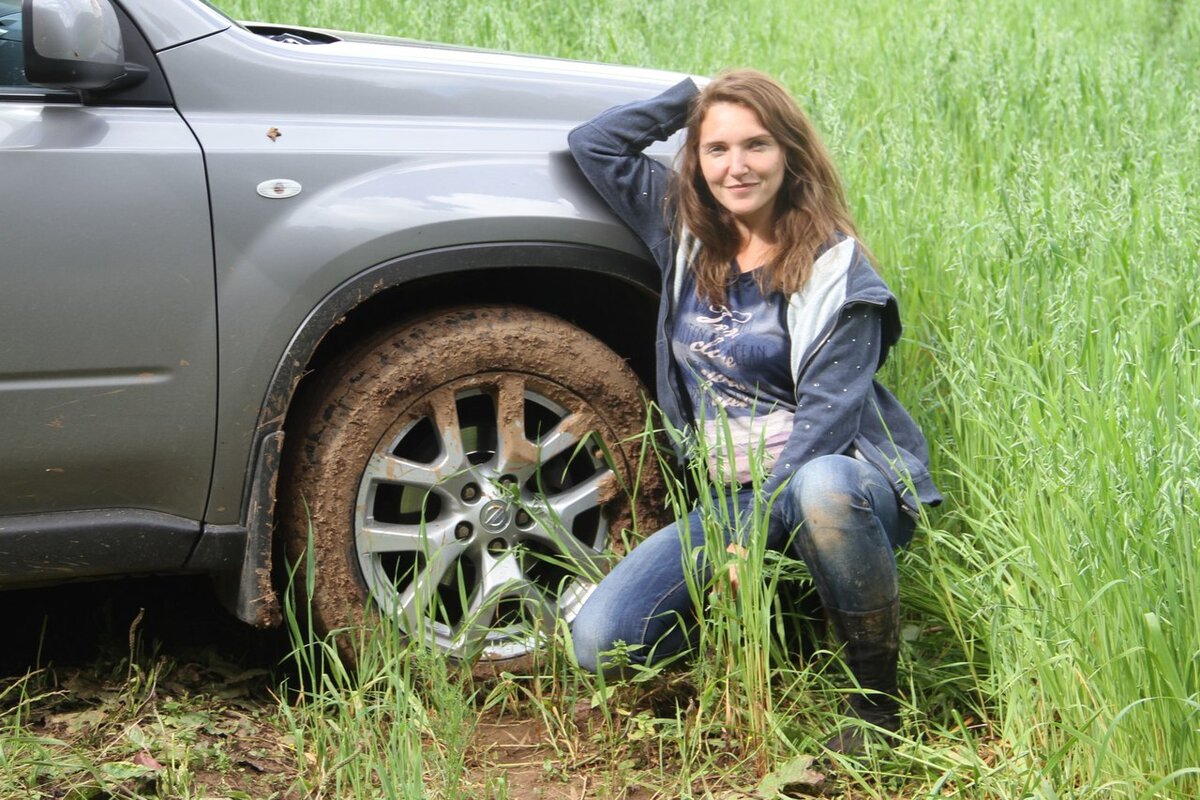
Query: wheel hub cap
[496, 515]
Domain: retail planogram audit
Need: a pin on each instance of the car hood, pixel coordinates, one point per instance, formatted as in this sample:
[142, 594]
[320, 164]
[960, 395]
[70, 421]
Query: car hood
[364, 75]
[373, 47]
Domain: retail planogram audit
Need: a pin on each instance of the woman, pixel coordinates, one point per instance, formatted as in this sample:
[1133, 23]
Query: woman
[772, 326]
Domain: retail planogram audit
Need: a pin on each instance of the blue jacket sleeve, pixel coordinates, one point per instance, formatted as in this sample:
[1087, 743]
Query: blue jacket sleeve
[832, 391]
[609, 149]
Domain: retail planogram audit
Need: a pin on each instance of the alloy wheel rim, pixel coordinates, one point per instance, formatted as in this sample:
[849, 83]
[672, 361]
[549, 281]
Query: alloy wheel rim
[480, 519]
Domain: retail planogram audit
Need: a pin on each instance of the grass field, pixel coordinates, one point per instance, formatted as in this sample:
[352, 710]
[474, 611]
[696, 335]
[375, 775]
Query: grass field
[1026, 173]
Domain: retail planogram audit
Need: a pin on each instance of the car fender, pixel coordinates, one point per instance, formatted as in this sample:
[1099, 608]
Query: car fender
[288, 326]
[278, 260]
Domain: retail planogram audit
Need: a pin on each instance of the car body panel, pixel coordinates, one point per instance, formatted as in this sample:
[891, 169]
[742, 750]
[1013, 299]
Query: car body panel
[108, 366]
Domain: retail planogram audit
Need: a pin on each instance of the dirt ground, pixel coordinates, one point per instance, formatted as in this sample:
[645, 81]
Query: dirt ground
[149, 689]
[198, 680]
[201, 688]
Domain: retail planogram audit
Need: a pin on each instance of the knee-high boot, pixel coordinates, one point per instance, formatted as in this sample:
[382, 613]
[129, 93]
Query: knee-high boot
[871, 647]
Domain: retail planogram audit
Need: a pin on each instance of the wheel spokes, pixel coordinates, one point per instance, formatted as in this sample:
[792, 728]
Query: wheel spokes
[515, 454]
[478, 543]
[381, 537]
[568, 504]
[503, 582]
[443, 410]
[567, 434]
[415, 604]
[568, 551]
[450, 462]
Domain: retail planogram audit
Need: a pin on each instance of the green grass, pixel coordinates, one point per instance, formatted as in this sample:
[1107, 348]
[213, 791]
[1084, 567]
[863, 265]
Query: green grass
[1026, 173]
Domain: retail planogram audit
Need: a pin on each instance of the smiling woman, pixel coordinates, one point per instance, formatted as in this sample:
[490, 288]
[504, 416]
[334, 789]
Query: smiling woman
[772, 328]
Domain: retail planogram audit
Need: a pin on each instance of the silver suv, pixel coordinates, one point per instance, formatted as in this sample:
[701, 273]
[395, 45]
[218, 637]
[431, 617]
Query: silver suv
[269, 289]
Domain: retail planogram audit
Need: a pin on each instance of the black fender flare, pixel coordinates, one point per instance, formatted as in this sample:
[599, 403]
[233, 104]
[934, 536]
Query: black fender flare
[247, 589]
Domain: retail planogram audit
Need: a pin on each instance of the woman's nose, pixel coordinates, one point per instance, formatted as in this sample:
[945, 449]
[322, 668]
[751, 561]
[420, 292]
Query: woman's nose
[737, 164]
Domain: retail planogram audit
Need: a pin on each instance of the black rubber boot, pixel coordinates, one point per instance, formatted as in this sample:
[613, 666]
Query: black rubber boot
[871, 647]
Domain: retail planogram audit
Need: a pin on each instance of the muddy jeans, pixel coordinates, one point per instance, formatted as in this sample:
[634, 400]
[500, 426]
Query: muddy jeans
[839, 513]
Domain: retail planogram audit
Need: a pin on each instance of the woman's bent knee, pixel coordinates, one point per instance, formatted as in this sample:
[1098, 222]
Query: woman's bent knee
[825, 491]
[591, 635]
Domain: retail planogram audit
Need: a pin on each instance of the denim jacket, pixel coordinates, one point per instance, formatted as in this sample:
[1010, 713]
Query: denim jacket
[841, 324]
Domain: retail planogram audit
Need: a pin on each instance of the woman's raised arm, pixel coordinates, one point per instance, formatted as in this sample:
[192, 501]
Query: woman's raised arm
[609, 149]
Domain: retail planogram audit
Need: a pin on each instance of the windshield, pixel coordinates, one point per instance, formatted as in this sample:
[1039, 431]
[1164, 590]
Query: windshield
[12, 56]
[216, 8]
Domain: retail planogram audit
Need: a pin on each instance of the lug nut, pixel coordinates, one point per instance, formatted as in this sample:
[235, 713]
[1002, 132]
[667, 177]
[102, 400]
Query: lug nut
[497, 546]
[462, 530]
[523, 518]
[470, 492]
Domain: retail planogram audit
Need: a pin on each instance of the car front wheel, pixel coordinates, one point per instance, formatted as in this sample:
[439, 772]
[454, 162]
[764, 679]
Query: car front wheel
[463, 476]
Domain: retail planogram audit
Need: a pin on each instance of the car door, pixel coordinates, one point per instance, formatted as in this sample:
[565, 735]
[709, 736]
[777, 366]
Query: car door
[107, 317]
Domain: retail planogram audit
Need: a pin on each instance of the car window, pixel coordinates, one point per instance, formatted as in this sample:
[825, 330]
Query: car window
[12, 58]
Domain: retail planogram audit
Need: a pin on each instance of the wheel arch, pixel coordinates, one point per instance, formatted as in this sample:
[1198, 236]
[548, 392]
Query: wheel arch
[558, 278]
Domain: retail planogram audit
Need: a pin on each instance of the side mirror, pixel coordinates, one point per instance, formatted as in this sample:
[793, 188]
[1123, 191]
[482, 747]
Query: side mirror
[74, 44]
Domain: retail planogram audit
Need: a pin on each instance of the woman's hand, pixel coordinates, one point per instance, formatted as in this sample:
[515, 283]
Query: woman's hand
[740, 553]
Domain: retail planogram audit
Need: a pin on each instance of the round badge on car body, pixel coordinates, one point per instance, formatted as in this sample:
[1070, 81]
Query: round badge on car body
[279, 188]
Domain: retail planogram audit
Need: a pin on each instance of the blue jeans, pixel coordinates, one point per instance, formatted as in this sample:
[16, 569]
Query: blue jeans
[839, 513]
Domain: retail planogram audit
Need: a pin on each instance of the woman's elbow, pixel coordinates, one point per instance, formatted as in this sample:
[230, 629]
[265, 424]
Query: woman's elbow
[580, 141]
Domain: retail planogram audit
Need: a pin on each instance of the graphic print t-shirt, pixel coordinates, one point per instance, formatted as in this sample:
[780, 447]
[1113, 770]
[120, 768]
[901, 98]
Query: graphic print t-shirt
[736, 365]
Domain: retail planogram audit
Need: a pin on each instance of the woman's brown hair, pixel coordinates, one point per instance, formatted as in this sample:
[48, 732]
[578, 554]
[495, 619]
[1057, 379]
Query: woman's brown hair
[809, 209]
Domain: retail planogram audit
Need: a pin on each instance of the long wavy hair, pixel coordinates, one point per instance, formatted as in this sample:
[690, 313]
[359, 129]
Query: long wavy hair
[809, 209]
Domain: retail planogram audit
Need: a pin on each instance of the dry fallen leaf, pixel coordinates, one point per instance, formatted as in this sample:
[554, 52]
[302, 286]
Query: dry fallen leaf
[735, 549]
[144, 759]
[796, 778]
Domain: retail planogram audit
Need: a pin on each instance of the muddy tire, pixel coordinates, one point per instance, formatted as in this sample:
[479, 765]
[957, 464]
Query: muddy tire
[463, 476]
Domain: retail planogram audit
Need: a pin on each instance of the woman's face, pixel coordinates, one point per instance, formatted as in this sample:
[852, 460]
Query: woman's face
[741, 162]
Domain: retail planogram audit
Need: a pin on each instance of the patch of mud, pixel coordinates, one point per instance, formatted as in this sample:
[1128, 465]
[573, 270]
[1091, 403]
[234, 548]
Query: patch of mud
[518, 754]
